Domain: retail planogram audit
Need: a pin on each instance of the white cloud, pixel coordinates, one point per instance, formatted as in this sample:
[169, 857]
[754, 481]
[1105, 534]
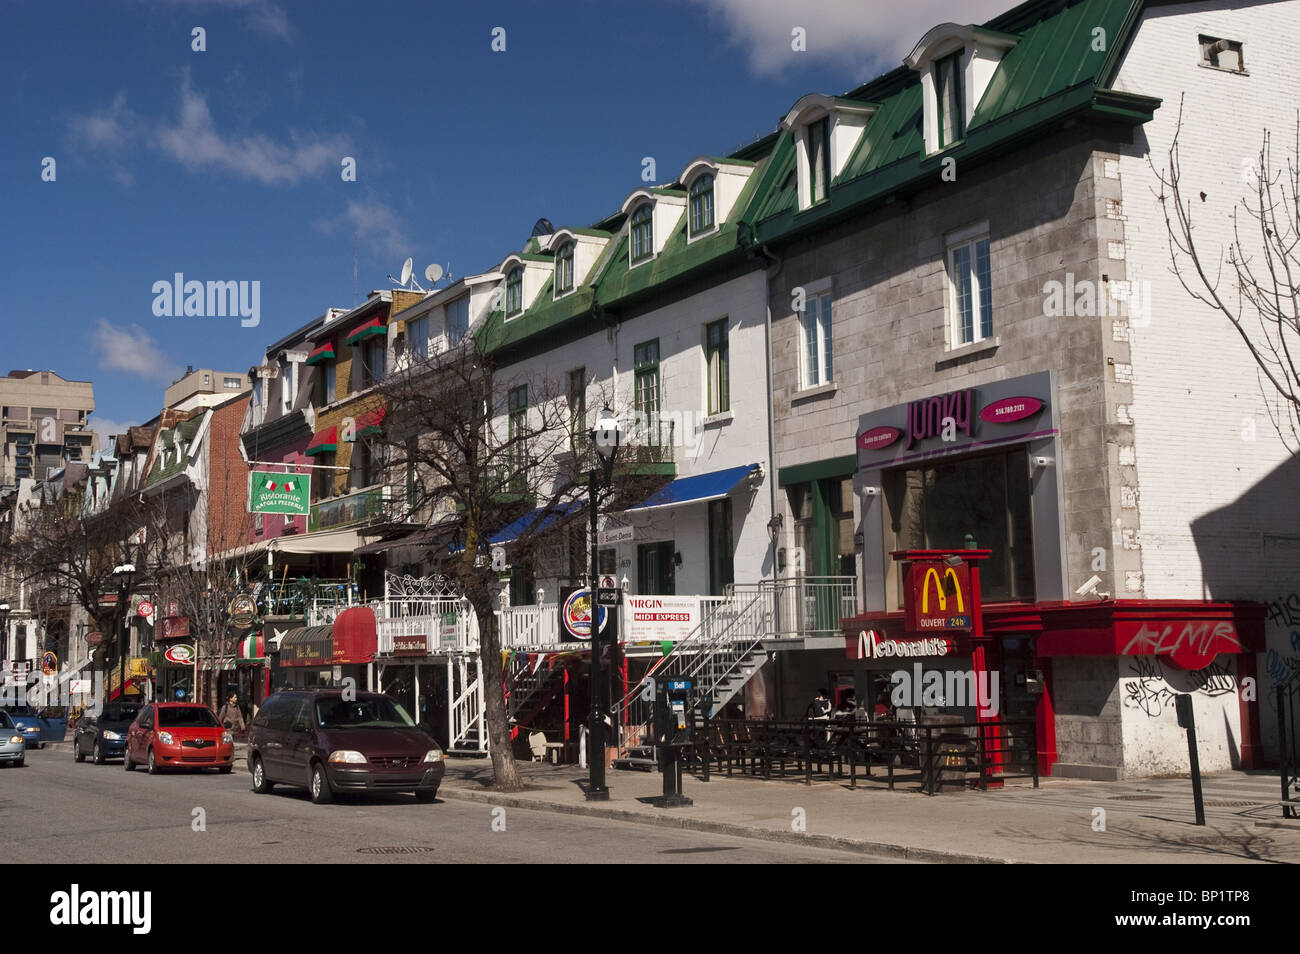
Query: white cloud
[106, 427]
[131, 349]
[869, 38]
[376, 222]
[194, 141]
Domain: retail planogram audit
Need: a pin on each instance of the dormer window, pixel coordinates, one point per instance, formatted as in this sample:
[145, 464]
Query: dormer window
[956, 64]
[827, 131]
[564, 269]
[642, 233]
[819, 158]
[514, 292]
[702, 205]
[947, 87]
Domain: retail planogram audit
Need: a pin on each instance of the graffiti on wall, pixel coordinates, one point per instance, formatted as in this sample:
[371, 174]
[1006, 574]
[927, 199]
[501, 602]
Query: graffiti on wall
[1154, 688]
[1199, 637]
[1285, 610]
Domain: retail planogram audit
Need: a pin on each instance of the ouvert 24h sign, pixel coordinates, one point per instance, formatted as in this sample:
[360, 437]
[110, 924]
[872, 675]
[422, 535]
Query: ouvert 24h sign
[279, 493]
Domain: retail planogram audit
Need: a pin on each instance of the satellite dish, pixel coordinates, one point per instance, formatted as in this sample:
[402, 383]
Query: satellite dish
[406, 272]
[433, 273]
[542, 227]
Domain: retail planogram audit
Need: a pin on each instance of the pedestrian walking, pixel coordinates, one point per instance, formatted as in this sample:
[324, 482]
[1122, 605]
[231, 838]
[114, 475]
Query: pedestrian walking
[230, 716]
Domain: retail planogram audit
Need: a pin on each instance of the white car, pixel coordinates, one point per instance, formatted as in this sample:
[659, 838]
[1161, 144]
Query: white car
[13, 748]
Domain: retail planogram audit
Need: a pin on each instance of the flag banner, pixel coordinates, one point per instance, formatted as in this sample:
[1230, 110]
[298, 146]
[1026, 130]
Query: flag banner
[279, 493]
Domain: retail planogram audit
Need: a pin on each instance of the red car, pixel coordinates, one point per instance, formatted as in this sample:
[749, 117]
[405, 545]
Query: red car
[178, 735]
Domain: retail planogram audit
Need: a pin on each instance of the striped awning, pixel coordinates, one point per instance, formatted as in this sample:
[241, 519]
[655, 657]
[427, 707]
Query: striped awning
[325, 442]
[217, 663]
[323, 353]
[252, 649]
[371, 423]
[367, 329]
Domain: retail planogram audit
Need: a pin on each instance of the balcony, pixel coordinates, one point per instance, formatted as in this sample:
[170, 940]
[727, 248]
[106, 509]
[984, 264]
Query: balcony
[380, 504]
[649, 446]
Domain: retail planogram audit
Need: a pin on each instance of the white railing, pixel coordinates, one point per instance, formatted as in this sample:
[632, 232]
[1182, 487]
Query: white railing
[466, 714]
[530, 627]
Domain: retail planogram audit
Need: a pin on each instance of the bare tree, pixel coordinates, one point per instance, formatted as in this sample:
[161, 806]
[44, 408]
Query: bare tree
[1260, 294]
[498, 449]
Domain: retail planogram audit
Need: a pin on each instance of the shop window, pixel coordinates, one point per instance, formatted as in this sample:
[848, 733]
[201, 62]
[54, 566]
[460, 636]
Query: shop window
[970, 503]
[322, 476]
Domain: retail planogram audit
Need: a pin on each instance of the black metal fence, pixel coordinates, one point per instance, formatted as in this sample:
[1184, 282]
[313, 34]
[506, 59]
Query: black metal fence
[1288, 696]
[934, 755]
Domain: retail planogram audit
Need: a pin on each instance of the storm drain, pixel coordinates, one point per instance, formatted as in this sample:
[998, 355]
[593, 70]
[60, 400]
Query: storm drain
[1232, 804]
[1135, 798]
[394, 850]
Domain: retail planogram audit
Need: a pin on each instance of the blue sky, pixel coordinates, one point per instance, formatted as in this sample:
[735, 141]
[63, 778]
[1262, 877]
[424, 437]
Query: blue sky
[225, 164]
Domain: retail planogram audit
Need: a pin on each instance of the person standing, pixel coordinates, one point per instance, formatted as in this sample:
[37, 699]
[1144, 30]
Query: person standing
[230, 715]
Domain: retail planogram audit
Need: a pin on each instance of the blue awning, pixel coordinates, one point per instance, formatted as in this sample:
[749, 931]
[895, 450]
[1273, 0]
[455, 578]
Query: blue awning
[537, 521]
[697, 489]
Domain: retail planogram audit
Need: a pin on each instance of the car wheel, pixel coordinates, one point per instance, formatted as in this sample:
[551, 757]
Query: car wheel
[77, 754]
[41, 746]
[21, 762]
[319, 786]
[426, 794]
[225, 769]
[261, 784]
[126, 759]
[97, 755]
[153, 765]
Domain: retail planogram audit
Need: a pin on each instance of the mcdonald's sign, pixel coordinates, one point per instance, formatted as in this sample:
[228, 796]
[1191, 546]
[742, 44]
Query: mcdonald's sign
[937, 597]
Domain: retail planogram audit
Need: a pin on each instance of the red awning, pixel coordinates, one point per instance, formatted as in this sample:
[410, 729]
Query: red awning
[355, 637]
[370, 423]
[325, 442]
[324, 353]
[367, 329]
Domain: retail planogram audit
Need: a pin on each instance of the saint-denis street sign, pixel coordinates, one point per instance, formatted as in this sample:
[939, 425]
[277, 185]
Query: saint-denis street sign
[279, 493]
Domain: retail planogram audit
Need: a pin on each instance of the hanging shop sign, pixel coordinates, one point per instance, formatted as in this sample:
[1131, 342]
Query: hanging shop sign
[94, 638]
[575, 616]
[937, 596]
[182, 654]
[279, 493]
[175, 627]
[612, 535]
[49, 664]
[243, 611]
[447, 631]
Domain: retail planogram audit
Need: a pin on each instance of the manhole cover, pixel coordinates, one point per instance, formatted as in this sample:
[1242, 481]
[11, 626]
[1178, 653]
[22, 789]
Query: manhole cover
[394, 850]
[1135, 798]
[1232, 804]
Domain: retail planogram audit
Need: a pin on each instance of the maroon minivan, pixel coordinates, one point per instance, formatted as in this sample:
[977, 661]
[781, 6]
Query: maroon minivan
[329, 741]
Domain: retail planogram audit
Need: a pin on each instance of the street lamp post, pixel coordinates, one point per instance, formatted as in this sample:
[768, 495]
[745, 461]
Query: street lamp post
[605, 437]
[124, 573]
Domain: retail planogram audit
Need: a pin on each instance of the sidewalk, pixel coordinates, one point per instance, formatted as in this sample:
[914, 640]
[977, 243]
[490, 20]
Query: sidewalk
[1146, 821]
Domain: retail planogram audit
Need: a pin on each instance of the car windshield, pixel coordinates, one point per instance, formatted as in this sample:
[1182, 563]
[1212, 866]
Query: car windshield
[378, 713]
[19, 712]
[5, 721]
[115, 712]
[197, 716]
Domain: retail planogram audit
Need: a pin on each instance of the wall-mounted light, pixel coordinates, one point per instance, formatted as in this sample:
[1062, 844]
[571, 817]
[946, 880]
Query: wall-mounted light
[774, 525]
[677, 558]
[1042, 462]
[870, 491]
[859, 541]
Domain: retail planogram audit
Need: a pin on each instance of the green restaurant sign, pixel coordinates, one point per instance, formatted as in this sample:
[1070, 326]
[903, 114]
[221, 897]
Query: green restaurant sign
[279, 493]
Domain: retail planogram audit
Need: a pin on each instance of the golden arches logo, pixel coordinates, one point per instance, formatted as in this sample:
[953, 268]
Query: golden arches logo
[948, 573]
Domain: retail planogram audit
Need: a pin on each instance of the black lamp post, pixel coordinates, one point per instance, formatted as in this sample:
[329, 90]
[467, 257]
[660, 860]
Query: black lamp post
[605, 437]
[4, 631]
[124, 573]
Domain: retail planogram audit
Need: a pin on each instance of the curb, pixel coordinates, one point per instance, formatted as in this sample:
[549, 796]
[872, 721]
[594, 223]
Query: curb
[835, 842]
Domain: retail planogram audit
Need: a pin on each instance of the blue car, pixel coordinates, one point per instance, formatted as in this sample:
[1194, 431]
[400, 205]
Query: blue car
[101, 733]
[39, 726]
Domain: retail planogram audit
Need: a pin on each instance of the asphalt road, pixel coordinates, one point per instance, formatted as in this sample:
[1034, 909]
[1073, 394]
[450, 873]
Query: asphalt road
[54, 811]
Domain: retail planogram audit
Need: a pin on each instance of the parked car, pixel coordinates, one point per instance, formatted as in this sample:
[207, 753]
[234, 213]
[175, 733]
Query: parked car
[321, 741]
[13, 748]
[30, 724]
[178, 735]
[102, 736]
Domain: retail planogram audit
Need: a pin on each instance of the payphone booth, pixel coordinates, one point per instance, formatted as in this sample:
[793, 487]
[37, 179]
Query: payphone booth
[674, 734]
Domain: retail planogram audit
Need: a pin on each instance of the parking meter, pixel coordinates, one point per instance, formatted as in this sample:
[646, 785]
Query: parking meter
[674, 732]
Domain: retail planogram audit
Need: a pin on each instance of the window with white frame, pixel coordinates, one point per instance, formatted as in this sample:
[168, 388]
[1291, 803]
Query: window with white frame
[718, 361]
[970, 295]
[234, 383]
[702, 205]
[947, 87]
[287, 386]
[417, 336]
[819, 159]
[514, 292]
[457, 320]
[815, 340]
[564, 269]
[642, 233]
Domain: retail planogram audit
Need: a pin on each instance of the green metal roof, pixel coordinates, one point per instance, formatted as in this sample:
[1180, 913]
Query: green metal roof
[179, 437]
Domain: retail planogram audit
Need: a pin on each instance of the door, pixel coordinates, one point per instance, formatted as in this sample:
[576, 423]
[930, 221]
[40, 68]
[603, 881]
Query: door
[655, 568]
[298, 745]
[137, 738]
[85, 737]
